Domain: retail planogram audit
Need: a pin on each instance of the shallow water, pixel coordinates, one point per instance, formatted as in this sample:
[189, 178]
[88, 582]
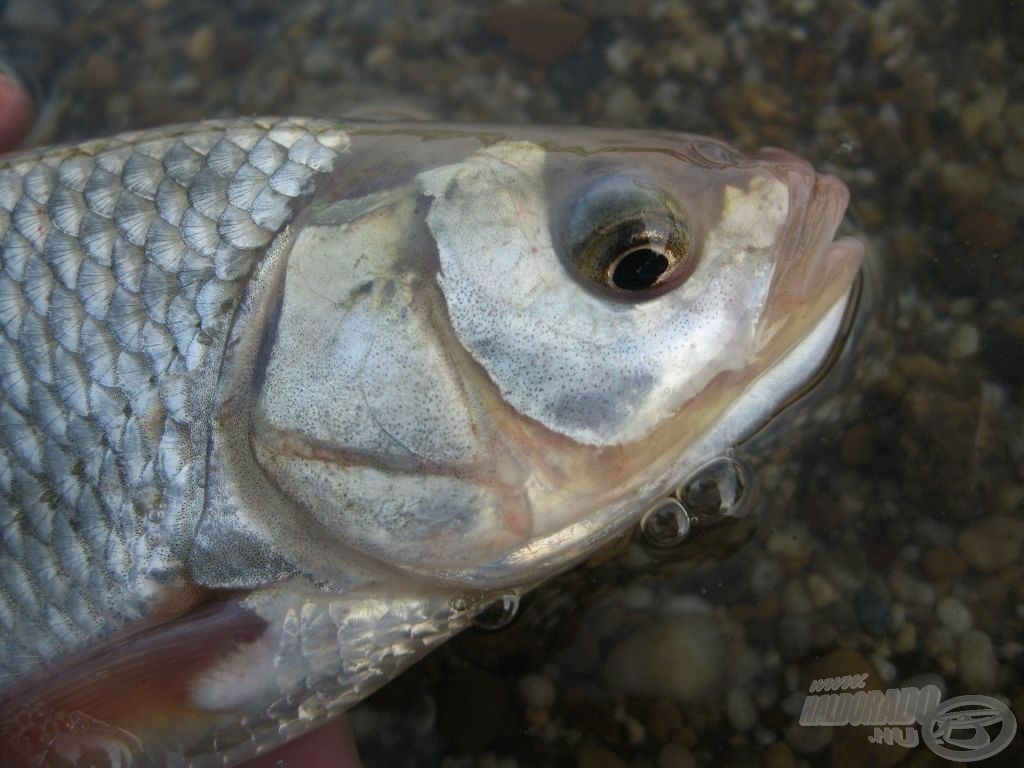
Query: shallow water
[891, 516]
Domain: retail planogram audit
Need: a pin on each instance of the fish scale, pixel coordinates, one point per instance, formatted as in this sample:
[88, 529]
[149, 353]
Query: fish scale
[123, 262]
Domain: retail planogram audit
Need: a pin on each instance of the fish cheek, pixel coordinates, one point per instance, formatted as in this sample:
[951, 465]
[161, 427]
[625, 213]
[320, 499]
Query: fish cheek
[604, 411]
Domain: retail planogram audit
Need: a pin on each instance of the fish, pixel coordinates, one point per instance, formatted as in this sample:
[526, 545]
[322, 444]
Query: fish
[285, 403]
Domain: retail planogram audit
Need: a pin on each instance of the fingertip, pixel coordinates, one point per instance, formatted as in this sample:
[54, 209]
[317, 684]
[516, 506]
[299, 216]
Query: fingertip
[329, 746]
[16, 112]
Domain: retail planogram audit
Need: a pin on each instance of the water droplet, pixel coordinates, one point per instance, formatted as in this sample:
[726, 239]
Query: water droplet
[666, 524]
[718, 489]
[499, 613]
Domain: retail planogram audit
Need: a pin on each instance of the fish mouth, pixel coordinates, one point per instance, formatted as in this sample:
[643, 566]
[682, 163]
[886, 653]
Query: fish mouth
[814, 270]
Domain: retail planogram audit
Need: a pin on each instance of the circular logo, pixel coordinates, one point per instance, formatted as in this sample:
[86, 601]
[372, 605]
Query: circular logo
[958, 728]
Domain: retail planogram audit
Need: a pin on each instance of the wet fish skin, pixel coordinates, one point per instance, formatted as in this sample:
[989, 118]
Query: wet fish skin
[274, 424]
[123, 262]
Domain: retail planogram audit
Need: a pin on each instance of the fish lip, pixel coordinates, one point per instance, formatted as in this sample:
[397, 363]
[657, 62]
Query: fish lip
[810, 261]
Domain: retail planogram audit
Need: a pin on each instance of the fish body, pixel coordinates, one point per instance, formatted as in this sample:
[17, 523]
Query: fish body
[285, 402]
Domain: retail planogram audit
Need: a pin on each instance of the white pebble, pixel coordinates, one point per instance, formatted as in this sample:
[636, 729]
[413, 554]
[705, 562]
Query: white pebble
[884, 666]
[964, 342]
[821, 590]
[954, 615]
[910, 589]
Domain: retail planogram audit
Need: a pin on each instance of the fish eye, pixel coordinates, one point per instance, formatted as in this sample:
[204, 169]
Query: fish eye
[628, 239]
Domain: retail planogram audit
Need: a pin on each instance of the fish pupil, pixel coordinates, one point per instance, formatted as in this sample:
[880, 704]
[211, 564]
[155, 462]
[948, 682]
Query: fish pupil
[639, 269]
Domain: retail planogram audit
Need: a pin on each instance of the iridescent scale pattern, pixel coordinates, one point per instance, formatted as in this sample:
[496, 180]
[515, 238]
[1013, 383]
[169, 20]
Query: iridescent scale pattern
[123, 262]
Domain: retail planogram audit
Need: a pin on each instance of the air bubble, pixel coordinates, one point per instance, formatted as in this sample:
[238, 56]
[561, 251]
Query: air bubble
[499, 613]
[153, 538]
[666, 524]
[716, 490]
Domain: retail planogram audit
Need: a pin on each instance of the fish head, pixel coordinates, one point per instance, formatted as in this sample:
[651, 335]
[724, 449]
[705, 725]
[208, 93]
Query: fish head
[481, 371]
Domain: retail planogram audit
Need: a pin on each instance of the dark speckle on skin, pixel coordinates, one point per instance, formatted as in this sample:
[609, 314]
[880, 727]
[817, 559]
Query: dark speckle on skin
[604, 410]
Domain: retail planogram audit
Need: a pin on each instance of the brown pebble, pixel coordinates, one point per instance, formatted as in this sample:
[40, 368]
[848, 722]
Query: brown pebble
[823, 513]
[592, 754]
[944, 562]
[768, 608]
[100, 71]
[940, 453]
[200, 46]
[778, 755]
[858, 448]
[536, 717]
[662, 719]
[685, 735]
[540, 33]
[984, 228]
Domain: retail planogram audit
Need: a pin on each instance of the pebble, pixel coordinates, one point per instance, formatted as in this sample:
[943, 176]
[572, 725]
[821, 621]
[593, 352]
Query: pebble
[923, 679]
[791, 544]
[872, 606]
[954, 615]
[1013, 161]
[778, 755]
[887, 670]
[321, 60]
[992, 543]
[674, 755]
[795, 636]
[906, 638]
[681, 658]
[620, 55]
[99, 71]
[943, 562]
[540, 33]
[821, 591]
[795, 600]
[591, 754]
[536, 690]
[939, 642]
[858, 448]
[911, 589]
[964, 342]
[623, 106]
[202, 43]
[809, 739]
[976, 658]
[765, 575]
[740, 710]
